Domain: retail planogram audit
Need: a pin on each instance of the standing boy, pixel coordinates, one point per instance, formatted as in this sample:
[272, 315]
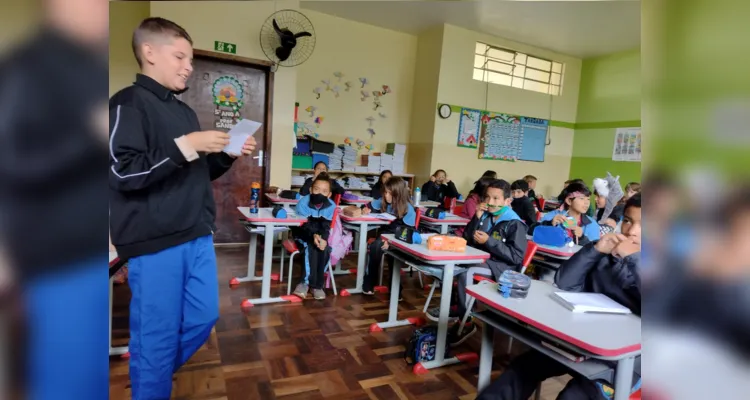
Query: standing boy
[162, 208]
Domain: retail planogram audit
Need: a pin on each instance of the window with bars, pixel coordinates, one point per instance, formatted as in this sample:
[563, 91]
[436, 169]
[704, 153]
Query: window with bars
[511, 68]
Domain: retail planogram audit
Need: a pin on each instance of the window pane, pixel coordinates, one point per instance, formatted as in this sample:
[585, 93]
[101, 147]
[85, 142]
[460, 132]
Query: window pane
[518, 83]
[537, 75]
[499, 67]
[557, 67]
[519, 70]
[539, 64]
[478, 74]
[555, 80]
[520, 58]
[481, 48]
[536, 86]
[479, 61]
[499, 78]
[501, 54]
[554, 90]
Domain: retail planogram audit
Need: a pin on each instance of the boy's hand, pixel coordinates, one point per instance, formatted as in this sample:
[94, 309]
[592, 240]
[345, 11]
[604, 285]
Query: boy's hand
[208, 141]
[481, 237]
[247, 148]
[322, 243]
[447, 180]
[385, 245]
[558, 219]
[626, 248]
[608, 242]
[432, 178]
[577, 230]
[366, 210]
[481, 208]
[316, 239]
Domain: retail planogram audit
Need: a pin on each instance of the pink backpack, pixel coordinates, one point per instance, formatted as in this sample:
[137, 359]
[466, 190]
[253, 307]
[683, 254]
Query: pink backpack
[340, 241]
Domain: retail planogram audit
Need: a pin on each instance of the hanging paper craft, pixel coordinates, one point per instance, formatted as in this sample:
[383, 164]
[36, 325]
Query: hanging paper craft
[377, 104]
[369, 147]
[382, 115]
[348, 141]
[327, 82]
[317, 91]
[371, 132]
[627, 145]
[348, 86]
[228, 96]
[311, 110]
[500, 137]
[360, 143]
[318, 121]
[364, 81]
[468, 128]
[338, 74]
[370, 120]
[365, 95]
[336, 91]
[376, 93]
[386, 89]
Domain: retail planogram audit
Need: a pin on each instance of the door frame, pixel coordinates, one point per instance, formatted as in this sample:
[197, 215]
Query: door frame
[263, 65]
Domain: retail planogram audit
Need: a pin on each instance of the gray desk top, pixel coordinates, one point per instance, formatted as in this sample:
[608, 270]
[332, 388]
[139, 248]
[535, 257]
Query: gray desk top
[265, 217]
[471, 256]
[608, 335]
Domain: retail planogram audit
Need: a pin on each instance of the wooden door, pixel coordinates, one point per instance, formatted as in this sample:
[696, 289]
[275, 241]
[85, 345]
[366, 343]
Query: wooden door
[224, 89]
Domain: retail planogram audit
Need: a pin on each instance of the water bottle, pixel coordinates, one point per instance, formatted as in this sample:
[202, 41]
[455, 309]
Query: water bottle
[254, 197]
[417, 195]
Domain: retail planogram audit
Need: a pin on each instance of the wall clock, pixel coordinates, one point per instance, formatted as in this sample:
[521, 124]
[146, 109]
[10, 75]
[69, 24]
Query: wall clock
[444, 111]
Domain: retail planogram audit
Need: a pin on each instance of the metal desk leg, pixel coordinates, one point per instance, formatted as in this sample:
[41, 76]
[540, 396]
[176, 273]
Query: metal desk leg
[265, 296]
[113, 351]
[624, 378]
[485, 357]
[443, 229]
[251, 258]
[339, 271]
[442, 336]
[360, 263]
[393, 306]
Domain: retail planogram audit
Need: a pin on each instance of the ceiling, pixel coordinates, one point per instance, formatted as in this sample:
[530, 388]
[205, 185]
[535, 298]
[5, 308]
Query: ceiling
[578, 28]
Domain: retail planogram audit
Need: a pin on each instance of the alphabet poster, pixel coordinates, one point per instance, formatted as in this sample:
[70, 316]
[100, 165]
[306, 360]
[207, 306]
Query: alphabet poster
[468, 128]
[627, 146]
[500, 137]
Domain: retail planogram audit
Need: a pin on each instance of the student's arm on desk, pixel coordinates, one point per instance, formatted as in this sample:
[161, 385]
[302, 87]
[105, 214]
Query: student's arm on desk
[571, 276]
[513, 248]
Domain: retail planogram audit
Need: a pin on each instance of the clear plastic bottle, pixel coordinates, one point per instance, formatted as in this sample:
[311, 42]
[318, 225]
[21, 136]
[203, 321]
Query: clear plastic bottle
[417, 195]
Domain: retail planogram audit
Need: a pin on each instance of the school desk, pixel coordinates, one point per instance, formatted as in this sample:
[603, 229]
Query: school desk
[428, 204]
[115, 263]
[361, 225]
[403, 253]
[265, 219]
[359, 201]
[286, 203]
[538, 317]
[444, 224]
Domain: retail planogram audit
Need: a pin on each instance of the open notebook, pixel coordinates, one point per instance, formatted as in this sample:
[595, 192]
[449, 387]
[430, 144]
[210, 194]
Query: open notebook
[589, 302]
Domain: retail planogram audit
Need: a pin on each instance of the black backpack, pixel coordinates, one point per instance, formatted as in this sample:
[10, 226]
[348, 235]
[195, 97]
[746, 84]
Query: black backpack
[421, 345]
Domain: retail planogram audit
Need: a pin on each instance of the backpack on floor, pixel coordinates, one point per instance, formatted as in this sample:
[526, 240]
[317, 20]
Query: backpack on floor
[421, 345]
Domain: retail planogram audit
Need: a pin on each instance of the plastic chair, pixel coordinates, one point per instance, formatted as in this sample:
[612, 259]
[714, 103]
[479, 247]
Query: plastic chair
[458, 209]
[449, 203]
[541, 203]
[539, 216]
[292, 247]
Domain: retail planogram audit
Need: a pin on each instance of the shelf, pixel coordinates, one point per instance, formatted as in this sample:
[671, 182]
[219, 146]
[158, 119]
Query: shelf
[353, 173]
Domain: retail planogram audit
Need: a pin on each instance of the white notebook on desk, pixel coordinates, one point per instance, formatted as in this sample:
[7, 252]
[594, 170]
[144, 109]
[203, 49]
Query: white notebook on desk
[589, 303]
[385, 216]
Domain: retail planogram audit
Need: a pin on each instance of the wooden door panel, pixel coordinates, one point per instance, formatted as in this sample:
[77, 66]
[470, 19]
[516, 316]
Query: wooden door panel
[211, 76]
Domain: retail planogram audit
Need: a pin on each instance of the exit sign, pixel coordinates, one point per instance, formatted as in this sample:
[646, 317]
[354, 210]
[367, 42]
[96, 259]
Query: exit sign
[225, 47]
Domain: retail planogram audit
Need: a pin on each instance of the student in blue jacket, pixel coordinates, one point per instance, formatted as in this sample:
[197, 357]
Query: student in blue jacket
[318, 208]
[573, 218]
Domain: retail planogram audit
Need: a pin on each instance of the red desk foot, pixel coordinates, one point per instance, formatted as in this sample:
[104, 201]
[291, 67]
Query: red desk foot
[234, 282]
[292, 298]
[375, 328]
[275, 277]
[417, 321]
[247, 303]
[381, 289]
[469, 358]
[345, 293]
[419, 369]
[126, 355]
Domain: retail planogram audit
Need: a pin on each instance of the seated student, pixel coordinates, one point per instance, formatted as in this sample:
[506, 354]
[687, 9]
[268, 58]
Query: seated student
[580, 227]
[395, 201]
[567, 183]
[496, 229]
[377, 189]
[608, 207]
[320, 166]
[531, 181]
[631, 189]
[522, 204]
[439, 187]
[475, 197]
[318, 208]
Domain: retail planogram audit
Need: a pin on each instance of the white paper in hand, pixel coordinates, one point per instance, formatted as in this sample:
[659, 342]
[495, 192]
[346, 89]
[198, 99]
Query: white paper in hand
[239, 134]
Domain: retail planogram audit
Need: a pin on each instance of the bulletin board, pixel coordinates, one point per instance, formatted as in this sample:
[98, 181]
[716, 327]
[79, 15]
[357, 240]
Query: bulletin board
[534, 137]
[500, 137]
[468, 127]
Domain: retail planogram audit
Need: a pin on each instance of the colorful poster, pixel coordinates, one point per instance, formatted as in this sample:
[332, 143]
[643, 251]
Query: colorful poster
[468, 128]
[500, 137]
[627, 145]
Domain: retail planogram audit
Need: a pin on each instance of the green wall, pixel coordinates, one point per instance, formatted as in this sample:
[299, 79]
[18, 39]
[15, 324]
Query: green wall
[610, 97]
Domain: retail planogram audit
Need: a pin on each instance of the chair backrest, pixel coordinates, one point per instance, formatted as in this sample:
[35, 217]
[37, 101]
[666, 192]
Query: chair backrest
[539, 216]
[458, 209]
[449, 203]
[541, 203]
[531, 249]
[335, 216]
[337, 199]
[416, 221]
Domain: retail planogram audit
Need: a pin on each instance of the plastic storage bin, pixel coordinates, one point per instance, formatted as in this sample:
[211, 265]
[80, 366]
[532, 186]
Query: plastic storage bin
[302, 162]
[317, 157]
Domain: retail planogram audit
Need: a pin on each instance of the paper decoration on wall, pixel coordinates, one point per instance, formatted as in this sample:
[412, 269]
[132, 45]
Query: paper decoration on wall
[468, 128]
[348, 141]
[377, 93]
[317, 91]
[338, 75]
[318, 121]
[228, 95]
[365, 95]
[369, 147]
[371, 132]
[336, 91]
[364, 81]
[376, 103]
[370, 120]
[386, 90]
[327, 82]
[348, 86]
[360, 144]
[311, 110]
[304, 128]
[627, 146]
[500, 137]
[382, 115]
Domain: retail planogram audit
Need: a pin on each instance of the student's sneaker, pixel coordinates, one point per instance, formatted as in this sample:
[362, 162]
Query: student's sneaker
[454, 339]
[301, 290]
[433, 314]
[319, 294]
[368, 292]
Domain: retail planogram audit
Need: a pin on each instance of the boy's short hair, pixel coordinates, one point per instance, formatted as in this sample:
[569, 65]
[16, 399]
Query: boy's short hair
[634, 201]
[499, 184]
[153, 27]
[323, 177]
[529, 178]
[520, 184]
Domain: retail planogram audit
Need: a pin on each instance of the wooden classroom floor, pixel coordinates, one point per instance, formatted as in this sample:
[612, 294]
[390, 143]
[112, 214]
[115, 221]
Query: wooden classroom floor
[310, 350]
